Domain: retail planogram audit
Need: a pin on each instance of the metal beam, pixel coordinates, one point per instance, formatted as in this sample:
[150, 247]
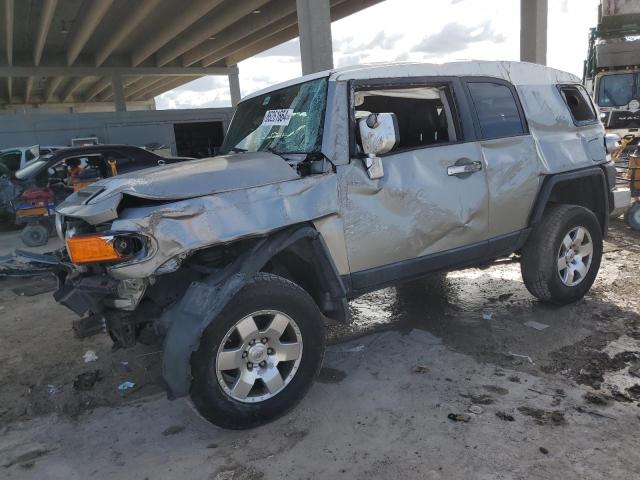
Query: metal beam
[27, 89]
[81, 71]
[48, 9]
[234, 89]
[72, 86]
[139, 13]
[222, 18]
[8, 29]
[533, 31]
[118, 93]
[340, 10]
[244, 28]
[86, 26]
[192, 12]
[52, 86]
[314, 26]
[163, 87]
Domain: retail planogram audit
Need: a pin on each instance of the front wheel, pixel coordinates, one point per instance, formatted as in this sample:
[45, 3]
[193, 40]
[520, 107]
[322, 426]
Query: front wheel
[562, 256]
[259, 357]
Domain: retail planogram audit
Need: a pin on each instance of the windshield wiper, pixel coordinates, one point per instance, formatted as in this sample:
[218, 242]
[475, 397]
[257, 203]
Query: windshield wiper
[238, 150]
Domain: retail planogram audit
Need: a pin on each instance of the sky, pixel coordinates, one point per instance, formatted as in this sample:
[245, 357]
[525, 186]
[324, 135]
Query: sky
[433, 31]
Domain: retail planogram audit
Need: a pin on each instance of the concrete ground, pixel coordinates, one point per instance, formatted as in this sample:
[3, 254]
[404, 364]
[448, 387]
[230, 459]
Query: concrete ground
[548, 392]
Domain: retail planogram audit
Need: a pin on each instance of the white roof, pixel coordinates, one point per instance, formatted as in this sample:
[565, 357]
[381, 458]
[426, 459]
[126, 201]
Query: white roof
[518, 73]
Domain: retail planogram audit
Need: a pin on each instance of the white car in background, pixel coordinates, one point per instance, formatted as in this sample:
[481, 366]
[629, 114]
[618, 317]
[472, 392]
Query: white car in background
[17, 157]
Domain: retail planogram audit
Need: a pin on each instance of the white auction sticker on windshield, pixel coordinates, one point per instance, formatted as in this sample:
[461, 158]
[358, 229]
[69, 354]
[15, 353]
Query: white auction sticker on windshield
[277, 117]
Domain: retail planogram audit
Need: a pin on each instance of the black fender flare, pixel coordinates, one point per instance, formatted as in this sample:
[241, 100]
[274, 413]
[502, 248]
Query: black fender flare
[204, 300]
[550, 181]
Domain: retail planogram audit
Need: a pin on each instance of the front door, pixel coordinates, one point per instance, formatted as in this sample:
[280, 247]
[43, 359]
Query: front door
[431, 205]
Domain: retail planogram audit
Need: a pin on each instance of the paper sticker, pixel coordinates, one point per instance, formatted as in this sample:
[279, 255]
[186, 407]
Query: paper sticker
[277, 117]
[266, 100]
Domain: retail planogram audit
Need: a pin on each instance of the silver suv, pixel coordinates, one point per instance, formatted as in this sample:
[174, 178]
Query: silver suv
[330, 186]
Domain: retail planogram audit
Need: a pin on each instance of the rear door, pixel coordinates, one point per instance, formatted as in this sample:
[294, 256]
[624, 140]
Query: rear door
[509, 154]
[431, 207]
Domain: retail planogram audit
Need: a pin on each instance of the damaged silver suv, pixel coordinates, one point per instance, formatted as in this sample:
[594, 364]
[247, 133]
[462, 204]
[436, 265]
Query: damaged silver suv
[330, 186]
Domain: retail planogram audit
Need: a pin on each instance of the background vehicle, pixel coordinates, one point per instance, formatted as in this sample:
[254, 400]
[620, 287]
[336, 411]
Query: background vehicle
[13, 159]
[33, 192]
[612, 75]
[331, 186]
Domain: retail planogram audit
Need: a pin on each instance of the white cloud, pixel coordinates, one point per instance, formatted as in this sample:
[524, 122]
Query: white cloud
[455, 37]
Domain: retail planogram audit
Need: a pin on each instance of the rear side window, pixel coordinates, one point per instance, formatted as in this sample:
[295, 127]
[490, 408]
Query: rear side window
[580, 106]
[497, 110]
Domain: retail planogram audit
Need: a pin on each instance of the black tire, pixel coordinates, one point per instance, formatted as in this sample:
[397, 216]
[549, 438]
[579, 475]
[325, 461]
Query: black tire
[632, 216]
[539, 263]
[264, 292]
[34, 235]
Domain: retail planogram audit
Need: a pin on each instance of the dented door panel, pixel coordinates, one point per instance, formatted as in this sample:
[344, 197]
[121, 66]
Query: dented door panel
[513, 176]
[416, 209]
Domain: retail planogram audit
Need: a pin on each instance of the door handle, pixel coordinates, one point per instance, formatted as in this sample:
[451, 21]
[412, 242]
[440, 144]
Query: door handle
[467, 168]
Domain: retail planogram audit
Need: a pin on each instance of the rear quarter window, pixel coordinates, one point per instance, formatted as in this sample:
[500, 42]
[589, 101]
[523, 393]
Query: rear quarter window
[578, 103]
[496, 109]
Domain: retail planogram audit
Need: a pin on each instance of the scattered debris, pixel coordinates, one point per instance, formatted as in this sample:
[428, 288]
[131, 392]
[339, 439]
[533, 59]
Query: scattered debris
[536, 325]
[477, 409]
[331, 375]
[593, 412]
[421, 369]
[504, 296]
[53, 389]
[89, 356]
[459, 417]
[487, 315]
[505, 416]
[28, 456]
[635, 370]
[356, 349]
[212, 445]
[542, 417]
[481, 399]
[514, 379]
[173, 430]
[495, 389]
[88, 326]
[85, 381]
[596, 398]
[544, 450]
[522, 356]
[126, 386]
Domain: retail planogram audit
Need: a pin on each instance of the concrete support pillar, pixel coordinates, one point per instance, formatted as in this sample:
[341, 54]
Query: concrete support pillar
[118, 93]
[234, 89]
[314, 25]
[533, 31]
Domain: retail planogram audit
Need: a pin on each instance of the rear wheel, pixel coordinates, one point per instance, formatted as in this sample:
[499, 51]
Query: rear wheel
[562, 256]
[259, 357]
[632, 216]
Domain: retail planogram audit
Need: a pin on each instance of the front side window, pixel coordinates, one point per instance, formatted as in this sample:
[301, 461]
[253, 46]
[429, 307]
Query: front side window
[618, 90]
[424, 113]
[11, 160]
[289, 120]
[496, 109]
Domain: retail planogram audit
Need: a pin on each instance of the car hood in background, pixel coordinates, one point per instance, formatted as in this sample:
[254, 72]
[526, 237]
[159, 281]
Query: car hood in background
[195, 178]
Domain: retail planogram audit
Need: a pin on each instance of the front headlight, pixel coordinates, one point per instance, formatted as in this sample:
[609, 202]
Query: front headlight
[104, 247]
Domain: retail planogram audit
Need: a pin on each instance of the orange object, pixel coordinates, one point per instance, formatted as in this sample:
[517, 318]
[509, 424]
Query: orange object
[91, 248]
[32, 212]
[80, 185]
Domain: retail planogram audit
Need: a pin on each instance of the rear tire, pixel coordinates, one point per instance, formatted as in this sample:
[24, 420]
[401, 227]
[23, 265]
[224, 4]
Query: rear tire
[34, 235]
[568, 236]
[277, 385]
[632, 216]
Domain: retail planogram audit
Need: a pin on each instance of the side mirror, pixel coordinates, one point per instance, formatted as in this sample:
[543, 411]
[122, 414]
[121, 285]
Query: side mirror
[379, 134]
[612, 142]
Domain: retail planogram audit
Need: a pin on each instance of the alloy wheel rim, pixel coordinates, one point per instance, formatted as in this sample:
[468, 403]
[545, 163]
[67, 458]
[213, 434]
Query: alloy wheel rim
[259, 356]
[574, 256]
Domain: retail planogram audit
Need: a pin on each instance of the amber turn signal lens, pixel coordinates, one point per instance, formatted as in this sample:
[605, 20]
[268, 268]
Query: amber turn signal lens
[92, 248]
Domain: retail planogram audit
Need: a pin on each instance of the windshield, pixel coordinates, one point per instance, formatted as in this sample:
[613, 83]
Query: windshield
[618, 90]
[33, 166]
[289, 120]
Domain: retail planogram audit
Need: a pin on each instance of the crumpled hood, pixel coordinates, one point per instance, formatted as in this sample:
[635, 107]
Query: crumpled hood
[197, 178]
